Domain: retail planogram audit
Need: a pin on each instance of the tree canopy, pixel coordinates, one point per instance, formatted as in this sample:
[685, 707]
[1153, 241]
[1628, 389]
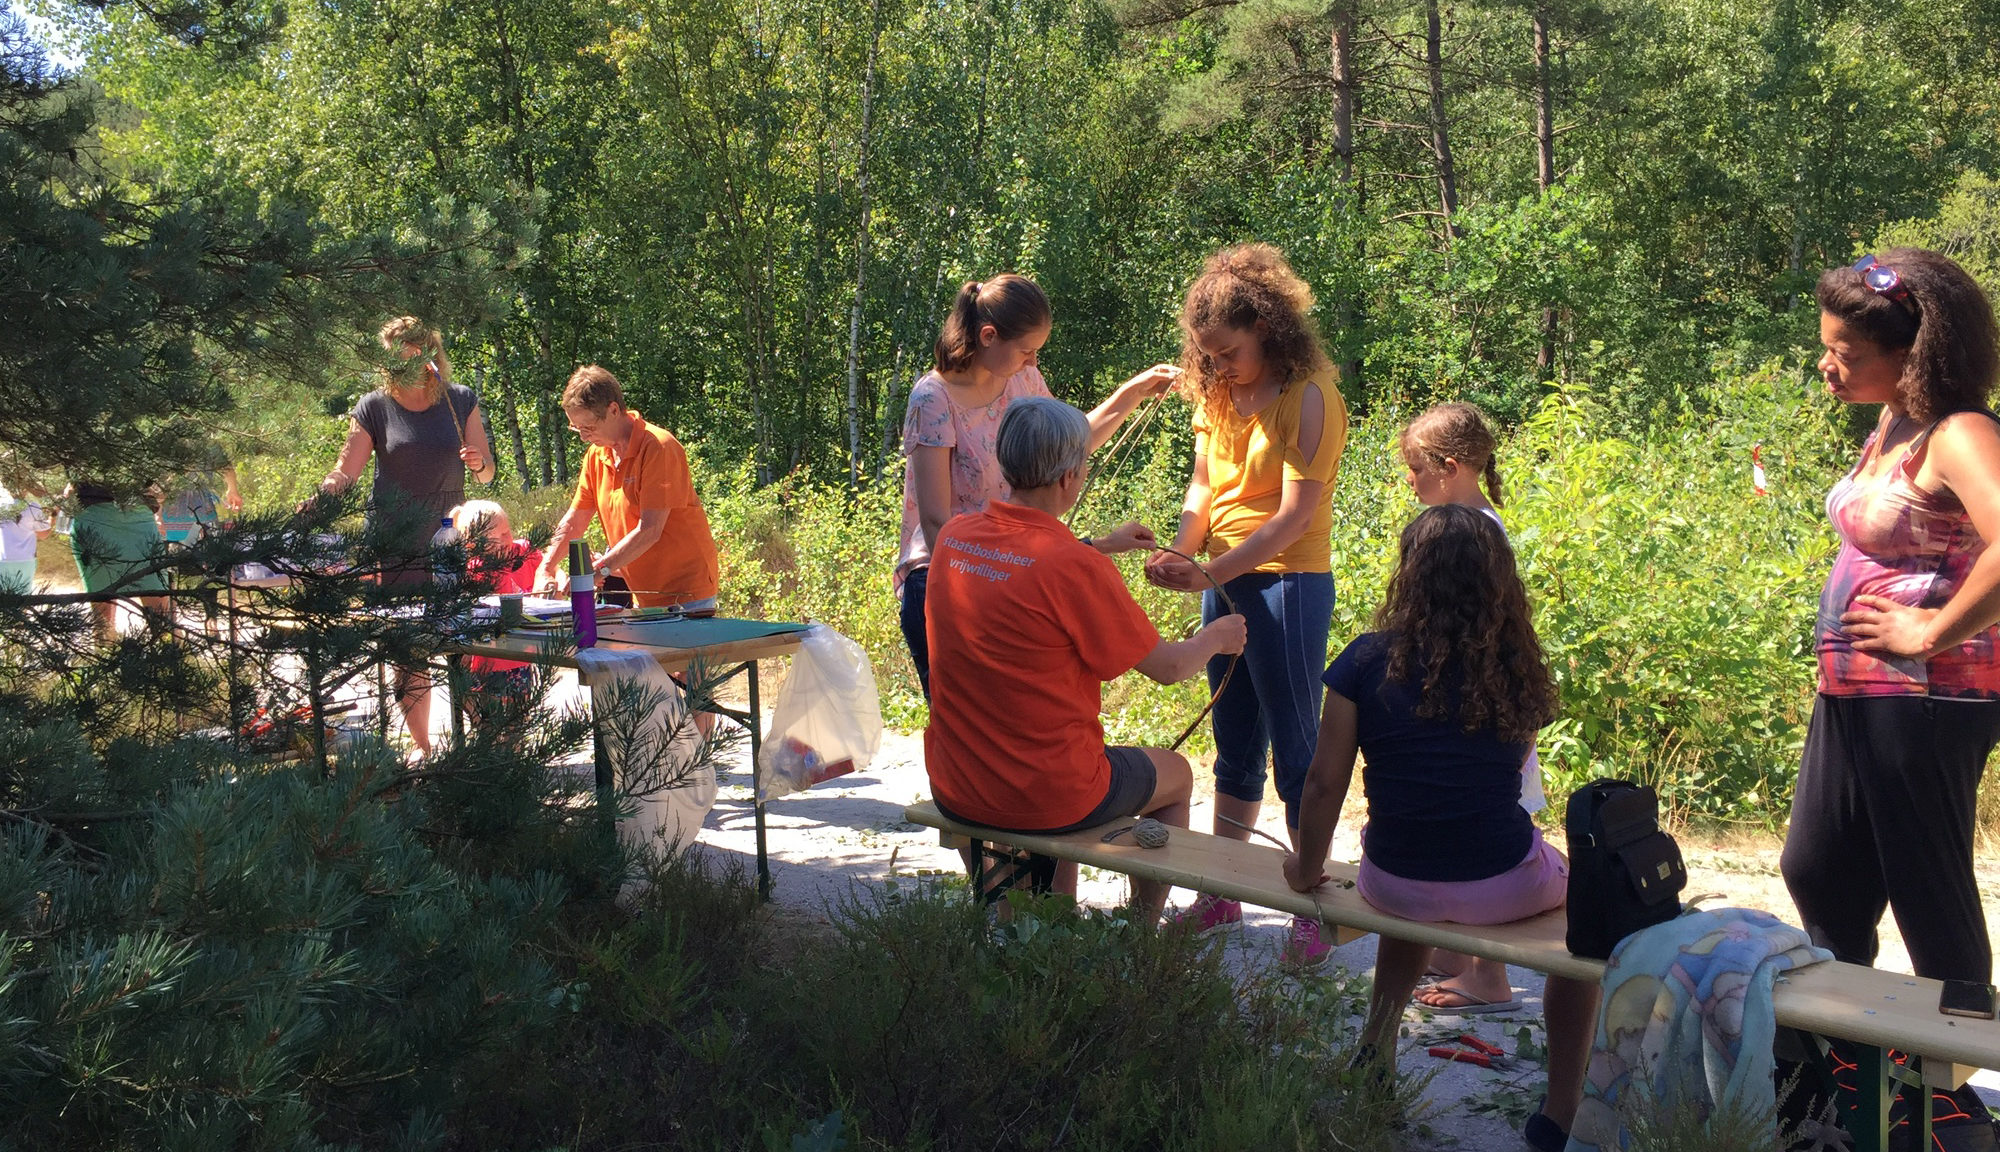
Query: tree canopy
[755, 210]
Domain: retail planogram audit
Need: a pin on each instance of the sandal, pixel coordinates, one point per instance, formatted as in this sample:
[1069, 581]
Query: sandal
[1467, 1004]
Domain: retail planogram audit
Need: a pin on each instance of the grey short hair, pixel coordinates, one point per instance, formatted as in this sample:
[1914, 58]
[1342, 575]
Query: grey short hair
[1041, 441]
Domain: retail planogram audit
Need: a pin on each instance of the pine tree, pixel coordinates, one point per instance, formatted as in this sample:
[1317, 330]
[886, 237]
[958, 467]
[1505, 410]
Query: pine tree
[223, 921]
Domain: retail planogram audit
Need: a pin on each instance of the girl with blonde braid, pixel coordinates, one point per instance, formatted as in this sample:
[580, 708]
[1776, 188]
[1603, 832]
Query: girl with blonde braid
[1451, 453]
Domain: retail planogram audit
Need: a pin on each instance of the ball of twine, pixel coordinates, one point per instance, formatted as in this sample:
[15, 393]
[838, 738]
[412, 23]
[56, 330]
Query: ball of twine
[1149, 833]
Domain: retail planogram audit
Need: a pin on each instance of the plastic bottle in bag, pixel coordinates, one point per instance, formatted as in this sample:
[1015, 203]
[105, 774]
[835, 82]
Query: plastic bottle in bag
[800, 766]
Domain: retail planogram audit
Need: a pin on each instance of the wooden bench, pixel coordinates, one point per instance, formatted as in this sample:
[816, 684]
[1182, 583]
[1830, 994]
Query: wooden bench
[1869, 1008]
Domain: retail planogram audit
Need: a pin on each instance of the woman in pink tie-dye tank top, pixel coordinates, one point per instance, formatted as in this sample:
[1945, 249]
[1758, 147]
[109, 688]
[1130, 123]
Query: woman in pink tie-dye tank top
[1909, 675]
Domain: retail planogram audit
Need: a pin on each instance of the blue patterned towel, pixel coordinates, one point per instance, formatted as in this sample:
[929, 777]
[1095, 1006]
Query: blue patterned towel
[1687, 1018]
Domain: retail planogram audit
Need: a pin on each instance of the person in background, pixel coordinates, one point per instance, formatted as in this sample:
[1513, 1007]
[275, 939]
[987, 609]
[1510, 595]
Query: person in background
[636, 480]
[24, 523]
[193, 502]
[985, 358]
[115, 537]
[1450, 452]
[1027, 621]
[1269, 429]
[1442, 702]
[425, 434]
[505, 562]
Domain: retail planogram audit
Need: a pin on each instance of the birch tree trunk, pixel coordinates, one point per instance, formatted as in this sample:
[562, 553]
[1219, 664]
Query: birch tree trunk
[510, 410]
[861, 253]
[1345, 100]
[1545, 168]
[546, 361]
[542, 437]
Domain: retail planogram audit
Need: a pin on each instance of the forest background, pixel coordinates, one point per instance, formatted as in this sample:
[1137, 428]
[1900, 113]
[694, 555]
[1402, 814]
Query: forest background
[1600, 219]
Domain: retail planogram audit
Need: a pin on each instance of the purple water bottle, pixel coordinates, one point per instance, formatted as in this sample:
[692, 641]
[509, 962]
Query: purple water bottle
[582, 595]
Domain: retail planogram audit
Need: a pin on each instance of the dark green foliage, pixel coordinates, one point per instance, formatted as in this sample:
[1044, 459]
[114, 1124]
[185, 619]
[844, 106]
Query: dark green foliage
[1059, 1028]
[259, 960]
[910, 1023]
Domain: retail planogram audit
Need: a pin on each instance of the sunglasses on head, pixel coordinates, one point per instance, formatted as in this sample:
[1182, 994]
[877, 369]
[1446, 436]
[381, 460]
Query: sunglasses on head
[1883, 280]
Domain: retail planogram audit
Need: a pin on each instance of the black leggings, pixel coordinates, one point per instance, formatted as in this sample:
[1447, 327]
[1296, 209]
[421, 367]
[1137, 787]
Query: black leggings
[1883, 818]
[911, 617]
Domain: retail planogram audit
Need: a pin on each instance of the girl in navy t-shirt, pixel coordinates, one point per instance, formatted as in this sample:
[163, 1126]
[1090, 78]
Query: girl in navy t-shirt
[1443, 700]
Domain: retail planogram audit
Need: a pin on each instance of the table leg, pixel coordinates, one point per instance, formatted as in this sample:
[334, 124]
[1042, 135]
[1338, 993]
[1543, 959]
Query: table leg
[1876, 1090]
[454, 683]
[600, 758]
[382, 702]
[757, 786]
[238, 710]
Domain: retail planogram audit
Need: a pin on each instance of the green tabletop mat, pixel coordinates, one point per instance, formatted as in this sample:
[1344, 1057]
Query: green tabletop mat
[694, 633]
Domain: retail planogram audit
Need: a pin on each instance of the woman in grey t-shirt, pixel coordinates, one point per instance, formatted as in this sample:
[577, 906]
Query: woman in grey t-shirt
[425, 433]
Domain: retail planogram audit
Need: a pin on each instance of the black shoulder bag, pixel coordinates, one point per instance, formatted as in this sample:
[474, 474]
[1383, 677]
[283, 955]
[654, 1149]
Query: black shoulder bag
[1624, 873]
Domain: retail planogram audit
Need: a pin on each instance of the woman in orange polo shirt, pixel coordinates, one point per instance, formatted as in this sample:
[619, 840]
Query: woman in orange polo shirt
[1269, 429]
[635, 478]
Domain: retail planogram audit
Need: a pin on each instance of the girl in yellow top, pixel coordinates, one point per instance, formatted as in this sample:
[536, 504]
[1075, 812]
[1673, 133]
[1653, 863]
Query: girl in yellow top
[1269, 429]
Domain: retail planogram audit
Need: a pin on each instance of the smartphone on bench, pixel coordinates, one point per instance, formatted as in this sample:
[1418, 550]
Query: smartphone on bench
[1965, 998]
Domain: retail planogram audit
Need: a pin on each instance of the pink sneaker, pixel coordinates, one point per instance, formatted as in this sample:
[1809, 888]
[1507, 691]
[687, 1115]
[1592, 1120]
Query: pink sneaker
[1209, 914]
[1304, 948]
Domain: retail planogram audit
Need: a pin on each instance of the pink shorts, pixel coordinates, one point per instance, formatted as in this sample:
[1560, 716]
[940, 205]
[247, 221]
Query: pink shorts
[1535, 885]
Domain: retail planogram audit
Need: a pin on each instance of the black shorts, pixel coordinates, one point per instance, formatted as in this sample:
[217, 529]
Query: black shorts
[1133, 781]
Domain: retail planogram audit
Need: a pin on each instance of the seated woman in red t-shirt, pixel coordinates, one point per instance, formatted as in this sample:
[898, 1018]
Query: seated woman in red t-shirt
[1026, 623]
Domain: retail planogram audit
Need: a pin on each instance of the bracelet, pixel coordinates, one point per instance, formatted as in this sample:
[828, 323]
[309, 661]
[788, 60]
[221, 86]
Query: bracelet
[1087, 540]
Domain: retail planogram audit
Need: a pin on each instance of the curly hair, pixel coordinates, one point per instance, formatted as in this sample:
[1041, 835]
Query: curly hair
[1458, 627]
[1946, 322]
[408, 331]
[1455, 431]
[1239, 286]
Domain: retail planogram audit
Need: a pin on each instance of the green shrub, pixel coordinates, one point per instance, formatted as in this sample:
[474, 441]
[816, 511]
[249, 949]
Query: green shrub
[1060, 1028]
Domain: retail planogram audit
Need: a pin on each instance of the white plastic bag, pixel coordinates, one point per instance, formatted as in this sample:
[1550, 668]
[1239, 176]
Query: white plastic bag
[828, 721]
[662, 749]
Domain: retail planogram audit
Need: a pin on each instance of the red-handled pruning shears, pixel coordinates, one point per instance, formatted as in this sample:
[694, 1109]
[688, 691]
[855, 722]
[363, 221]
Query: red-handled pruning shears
[1474, 1051]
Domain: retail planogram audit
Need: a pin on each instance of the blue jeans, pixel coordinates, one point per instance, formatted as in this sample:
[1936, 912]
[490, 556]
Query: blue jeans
[1271, 707]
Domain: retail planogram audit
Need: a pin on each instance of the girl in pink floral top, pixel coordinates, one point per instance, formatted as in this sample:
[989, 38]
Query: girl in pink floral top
[985, 360]
[1909, 694]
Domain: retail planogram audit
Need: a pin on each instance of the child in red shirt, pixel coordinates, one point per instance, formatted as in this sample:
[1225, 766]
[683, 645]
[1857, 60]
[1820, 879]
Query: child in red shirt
[506, 562]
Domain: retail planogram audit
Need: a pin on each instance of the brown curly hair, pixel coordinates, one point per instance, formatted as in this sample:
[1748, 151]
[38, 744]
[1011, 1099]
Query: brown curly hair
[1946, 322]
[1456, 431]
[1239, 286]
[1458, 628]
